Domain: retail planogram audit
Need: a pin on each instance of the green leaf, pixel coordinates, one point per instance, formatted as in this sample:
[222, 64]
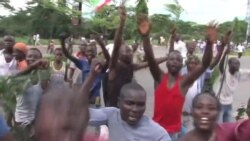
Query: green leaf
[10, 87]
[141, 7]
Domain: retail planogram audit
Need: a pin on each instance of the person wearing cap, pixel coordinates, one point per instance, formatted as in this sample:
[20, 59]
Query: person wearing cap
[20, 50]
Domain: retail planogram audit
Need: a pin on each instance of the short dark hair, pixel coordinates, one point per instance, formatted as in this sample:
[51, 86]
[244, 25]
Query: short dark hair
[174, 51]
[231, 59]
[192, 57]
[131, 86]
[210, 94]
[9, 36]
[36, 49]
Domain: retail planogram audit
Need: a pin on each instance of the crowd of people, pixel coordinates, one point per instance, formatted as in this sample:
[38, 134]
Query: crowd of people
[59, 101]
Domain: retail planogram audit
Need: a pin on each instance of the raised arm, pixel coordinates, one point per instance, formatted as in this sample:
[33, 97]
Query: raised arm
[84, 92]
[222, 61]
[118, 38]
[66, 72]
[144, 29]
[206, 60]
[104, 50]
[225, 40]
[80, 113]
[135, 47]
[172, 38]
[39, 64]
[65, 51]
[145, 64]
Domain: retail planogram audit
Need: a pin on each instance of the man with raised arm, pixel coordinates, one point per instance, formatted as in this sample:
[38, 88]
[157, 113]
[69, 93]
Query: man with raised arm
[121, 68]
[84, 66]
[172, 87]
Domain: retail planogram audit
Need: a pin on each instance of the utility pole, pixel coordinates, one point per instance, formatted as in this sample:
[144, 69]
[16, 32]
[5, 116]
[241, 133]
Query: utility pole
[80, 10]
[248, 22]
[76, 20]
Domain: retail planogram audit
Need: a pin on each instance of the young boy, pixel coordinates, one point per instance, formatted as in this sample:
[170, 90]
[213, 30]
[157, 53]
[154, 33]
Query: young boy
[84, 66]
[59, 69]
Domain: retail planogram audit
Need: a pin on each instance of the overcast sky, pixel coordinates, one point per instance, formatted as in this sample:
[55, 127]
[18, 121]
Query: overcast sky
[199, 11]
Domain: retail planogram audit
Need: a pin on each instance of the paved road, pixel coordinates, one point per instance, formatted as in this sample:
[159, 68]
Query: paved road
[145, 79]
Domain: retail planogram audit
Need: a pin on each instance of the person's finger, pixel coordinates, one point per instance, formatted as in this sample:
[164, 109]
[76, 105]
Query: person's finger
[229, 33]
[173, 30]
[98, 67]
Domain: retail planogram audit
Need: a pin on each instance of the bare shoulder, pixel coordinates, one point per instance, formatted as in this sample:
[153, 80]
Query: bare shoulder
[187, 137]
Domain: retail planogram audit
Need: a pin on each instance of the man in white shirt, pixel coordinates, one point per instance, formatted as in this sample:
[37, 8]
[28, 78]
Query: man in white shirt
[181, 47]
[7, 61]
[240, 49]
[230, 78]
[37, 40]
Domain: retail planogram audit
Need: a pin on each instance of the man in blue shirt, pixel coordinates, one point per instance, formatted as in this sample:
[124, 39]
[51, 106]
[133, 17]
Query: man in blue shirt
[84, 66]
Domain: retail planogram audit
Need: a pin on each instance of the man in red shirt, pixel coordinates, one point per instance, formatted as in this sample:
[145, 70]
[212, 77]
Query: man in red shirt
[172, 87]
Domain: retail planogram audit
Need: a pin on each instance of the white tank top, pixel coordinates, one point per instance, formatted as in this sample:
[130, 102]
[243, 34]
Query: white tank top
[191, 93]
[7, 69]
[57, 76]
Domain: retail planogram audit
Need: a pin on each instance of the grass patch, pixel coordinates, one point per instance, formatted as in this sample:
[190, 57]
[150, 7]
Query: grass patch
[245, 53]
[29, 41]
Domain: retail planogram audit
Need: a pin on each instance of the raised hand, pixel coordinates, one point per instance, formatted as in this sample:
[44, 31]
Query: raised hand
[211, 34]
[63, 36]
[96, 66]
[40, 64]
[173, 33]
[143, 24]
[98, 39]
[225, 40]
[172, 39]
[123, 13]
[58, 118]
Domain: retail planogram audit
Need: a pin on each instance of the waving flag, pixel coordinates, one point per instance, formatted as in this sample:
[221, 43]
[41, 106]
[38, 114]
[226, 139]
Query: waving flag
[99, 4]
